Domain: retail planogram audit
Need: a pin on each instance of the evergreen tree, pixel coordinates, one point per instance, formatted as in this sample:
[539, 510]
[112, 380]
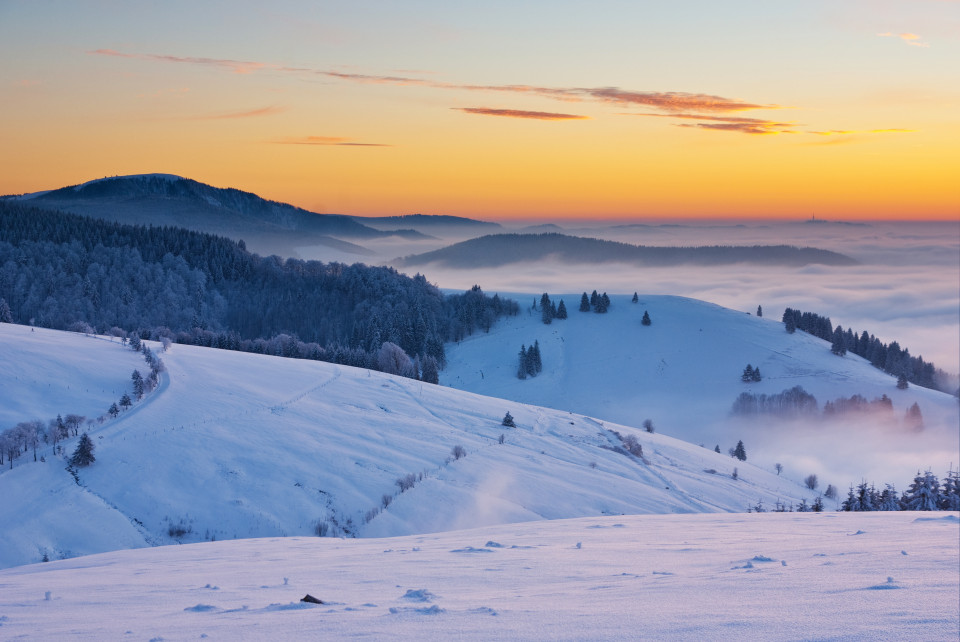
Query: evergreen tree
[913, 419]
[533, 355]
[635, 298]
[138, 385]
[522, 366]
[561, 310]
[950, 497]
[646, 318]
[508, 421]
[838, 345]
[648, 425]
[756, 374]
[747, 375]
[135, 343]
[594, 297]
[125, 401]
[831, 491]
[740, 452]
[923, 493]
[114, 410]
[5, 315]
[716, 448]
[888, 499]
[83, 455]
[790, 321]
[584, 303]
[817, 505]
[759, 311]
[902, 383]
[604, 303]
[430, 371]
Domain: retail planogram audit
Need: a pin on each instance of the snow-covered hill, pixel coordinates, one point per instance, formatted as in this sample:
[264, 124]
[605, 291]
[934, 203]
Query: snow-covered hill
[683, 372]
[236, 445]
[773, 576]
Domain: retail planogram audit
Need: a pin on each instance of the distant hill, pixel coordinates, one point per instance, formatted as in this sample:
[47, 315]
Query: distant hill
[165, 199]
[425, 222]
[503, 249]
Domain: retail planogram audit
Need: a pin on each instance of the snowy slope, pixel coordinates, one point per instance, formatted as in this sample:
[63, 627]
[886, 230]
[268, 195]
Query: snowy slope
[772, 576]
[683, 373]
[236, 445]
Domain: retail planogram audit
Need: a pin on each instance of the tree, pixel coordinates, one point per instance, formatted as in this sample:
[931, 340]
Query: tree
[950, 497]
[735, 474]
[646, 318]
[594, 298]
[584, 303]
[604, 302]
[114, 410]
[138, 385]
[561, 310]
[902, 383]
[546, 310]
[817, 505]
[648, 425]
[789, 321]
[5, 315]
[392, 359]
[430, 370]
[635, 298]
[135, 343]
[125, 401]
[716, 448]
[779, 467]
[913, 419]
[810, 482]
[839, 344]
[747, 375]
[759, 311]
[508, 421]
[740, 452]
[756, 374]
[923, 493]
[458, 452]
[522, 365]
[831, 492]
[83, 455]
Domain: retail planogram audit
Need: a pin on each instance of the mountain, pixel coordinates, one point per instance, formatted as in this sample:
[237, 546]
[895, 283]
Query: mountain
[775, 576]
[236, 445]
[683, 372]
[504, 249]
[165, 199]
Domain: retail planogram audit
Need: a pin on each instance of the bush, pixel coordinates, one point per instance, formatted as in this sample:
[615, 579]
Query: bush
[406, 482]
[458, 452]
[811, 482]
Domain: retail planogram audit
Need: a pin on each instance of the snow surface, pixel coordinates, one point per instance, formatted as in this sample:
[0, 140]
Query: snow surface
[683, 372]
[236, 445]
[771, 576]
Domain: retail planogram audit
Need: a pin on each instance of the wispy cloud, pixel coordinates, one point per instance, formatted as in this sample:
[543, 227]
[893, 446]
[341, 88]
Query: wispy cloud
[337, 141]
[518, 113]
[741, 124]
[234, 66]
[849, 132]
[248, 113]
[911, 39]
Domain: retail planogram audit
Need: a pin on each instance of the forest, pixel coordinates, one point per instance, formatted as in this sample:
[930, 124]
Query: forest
[65, 271]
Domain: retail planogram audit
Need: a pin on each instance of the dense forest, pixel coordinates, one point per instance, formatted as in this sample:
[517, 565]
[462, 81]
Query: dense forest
[65, 271]
[890, 357]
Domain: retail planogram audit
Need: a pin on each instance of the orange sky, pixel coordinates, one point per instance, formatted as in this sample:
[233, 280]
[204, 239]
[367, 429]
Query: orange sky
[605, 111]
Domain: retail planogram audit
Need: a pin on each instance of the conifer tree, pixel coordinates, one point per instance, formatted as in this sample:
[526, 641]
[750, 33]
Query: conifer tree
[902, 383]
[508, 421]
[759, 310]
[747, 375]
[646, 318]
[83, 455]
[138, 385]
[913, 418]
[740, 452]
[561, 310]
[5, 315]
[522, 367]
[635, 298]
[584, 303]
[923, 493]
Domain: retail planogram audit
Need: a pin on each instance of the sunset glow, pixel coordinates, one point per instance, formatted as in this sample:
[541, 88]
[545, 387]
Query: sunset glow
[743, 109]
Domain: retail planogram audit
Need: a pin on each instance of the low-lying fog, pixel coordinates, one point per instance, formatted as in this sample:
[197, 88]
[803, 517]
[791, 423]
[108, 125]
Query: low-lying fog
[906, 288]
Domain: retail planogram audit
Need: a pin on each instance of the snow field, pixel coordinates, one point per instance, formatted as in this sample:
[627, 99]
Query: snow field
[771, 576]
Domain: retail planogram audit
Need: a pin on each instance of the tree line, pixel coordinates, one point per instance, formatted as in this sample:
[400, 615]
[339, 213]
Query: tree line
[890, 357]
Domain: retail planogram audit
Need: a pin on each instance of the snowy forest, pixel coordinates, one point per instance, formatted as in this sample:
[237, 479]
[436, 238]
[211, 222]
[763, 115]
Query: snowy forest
[64, 271]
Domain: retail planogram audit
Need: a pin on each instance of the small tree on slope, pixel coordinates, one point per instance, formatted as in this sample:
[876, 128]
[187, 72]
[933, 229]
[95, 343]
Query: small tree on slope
[83, 455]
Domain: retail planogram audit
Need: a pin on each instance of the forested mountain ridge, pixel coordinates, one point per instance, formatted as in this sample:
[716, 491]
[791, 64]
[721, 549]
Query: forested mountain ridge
[62, 270]
[503, 249]
[164, 199]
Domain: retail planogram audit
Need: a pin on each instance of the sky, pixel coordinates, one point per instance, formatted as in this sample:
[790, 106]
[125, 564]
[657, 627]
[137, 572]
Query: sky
[497, 110]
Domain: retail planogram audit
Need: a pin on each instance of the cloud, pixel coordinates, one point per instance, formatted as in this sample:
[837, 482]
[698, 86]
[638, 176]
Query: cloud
[518, 113]
[852, 132]
[336, 141]
[911, 39]
[249, 113]
[741, 124]
[234, 66]
[674, 101]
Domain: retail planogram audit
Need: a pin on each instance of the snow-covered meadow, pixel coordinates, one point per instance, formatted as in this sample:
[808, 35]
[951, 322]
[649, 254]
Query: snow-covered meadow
[683, 372]
[770, 576]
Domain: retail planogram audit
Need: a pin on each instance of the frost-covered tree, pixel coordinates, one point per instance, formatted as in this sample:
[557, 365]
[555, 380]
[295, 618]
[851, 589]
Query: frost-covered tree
[114, 410]
[430, 371]
[902, 383]
[584, 303]
[138, 384]
[458, 452]
[392, 359]
[5, 315]
[508, 421]
[648, 425]
[125, 401]
[83, 455]
[923, 493]
[817, 506]
[522, 363]
[810, 481]
[831, 492]
[950, 497]
[747, 375]
[135, 343]
[646, 318]
[913, 419]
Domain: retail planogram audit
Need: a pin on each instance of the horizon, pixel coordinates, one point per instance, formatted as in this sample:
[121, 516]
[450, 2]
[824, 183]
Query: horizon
[603, 112]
